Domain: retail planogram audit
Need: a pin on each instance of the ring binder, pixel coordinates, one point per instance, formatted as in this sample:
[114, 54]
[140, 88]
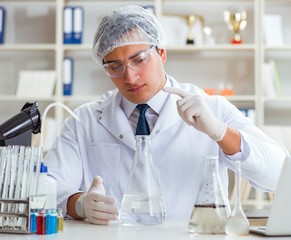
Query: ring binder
[68, 25]
[2, 24]
[78, 25]
[68, 75]
[73, 24]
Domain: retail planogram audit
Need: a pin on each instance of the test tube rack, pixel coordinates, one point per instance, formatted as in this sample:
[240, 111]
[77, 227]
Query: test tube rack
[16, 217]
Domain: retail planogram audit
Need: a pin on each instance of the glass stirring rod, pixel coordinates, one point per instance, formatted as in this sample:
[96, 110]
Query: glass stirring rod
[237, 224]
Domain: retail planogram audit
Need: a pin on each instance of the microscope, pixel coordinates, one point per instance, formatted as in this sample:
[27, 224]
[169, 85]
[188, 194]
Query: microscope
[18, 129]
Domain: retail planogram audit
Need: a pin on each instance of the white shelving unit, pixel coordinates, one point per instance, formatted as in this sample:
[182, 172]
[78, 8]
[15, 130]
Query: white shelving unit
[34, 41]
[277, 110]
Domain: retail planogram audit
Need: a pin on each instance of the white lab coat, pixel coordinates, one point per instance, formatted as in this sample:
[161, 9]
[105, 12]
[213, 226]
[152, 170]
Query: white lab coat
[103, 143]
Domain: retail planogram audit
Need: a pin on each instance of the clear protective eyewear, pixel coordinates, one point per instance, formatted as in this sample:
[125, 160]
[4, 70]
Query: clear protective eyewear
[135, 62]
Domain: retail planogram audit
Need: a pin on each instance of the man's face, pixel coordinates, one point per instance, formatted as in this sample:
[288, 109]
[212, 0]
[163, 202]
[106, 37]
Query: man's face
[141, 71]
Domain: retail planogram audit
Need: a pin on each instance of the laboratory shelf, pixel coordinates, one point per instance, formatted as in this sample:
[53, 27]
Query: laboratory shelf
[216, 47]
[25, 47]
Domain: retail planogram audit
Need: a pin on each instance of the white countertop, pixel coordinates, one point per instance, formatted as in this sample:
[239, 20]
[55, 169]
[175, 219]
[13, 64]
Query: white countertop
[170, 230]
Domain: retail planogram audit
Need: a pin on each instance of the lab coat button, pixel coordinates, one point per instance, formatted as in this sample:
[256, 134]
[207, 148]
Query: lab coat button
[100, 117]
[158, 131]
[120, 136]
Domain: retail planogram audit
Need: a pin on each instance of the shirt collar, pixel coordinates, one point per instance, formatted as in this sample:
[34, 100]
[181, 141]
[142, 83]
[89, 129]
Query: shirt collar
[156, 102]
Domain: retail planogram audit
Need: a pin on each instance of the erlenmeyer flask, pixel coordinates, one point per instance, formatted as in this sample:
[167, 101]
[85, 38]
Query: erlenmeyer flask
[143, 201]
[211, 209]
[237, 223]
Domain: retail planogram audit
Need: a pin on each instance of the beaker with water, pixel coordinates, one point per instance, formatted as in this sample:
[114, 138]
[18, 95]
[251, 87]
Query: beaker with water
[143, 201]
[211, 209]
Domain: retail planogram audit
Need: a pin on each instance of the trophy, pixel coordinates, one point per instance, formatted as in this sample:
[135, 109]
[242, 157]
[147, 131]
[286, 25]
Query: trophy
[193, 30]
[236, 22]
[190, 19]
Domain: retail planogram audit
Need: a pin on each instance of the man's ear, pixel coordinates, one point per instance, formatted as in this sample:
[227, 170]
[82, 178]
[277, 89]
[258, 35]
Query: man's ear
[163, 54]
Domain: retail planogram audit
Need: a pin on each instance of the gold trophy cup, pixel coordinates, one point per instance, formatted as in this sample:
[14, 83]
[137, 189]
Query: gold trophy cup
[190, 19]
[236, 22]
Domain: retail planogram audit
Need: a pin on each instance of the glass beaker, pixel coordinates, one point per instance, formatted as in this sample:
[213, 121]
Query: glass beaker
[143, 201]
[211, 209]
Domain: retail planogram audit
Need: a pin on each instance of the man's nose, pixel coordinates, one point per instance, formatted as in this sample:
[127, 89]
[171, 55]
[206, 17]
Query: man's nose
[130, 74]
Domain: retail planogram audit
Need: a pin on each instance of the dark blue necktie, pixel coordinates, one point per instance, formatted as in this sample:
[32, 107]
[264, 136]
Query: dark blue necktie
[142, 127]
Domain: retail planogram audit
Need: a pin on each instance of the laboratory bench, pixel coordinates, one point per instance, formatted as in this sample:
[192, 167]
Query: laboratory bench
[169, 230]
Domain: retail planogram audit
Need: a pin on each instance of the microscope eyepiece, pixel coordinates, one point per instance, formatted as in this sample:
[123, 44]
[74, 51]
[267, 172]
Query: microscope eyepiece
[28, 119]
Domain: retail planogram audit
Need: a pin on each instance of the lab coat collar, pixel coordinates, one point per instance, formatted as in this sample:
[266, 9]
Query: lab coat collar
[112, 117]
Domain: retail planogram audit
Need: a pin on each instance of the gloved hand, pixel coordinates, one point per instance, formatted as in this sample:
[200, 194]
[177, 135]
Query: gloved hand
[98, 207]
[194, 111]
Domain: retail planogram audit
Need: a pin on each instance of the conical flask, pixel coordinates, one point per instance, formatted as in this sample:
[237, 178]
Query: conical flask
[211, 209]
[143, 201]
[237, 224]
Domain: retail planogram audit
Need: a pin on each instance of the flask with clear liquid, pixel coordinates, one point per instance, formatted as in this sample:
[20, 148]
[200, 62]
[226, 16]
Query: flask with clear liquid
[143, 201]
[237, 224]
[211, 209]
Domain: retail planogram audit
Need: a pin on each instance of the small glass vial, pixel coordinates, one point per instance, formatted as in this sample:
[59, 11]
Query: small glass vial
[60, 220]
[54, 221]
[41, 222]
[48, 226]
[33, 220]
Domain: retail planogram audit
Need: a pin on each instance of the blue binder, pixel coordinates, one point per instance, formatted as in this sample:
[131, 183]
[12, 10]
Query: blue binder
[68, 25]
[68, 75]
[73, 25]
[2, 24]
[78, 24]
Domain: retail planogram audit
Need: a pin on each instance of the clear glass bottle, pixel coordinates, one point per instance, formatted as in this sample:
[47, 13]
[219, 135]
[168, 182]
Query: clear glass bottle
[211, 209]
[237, 224]
[143, 201]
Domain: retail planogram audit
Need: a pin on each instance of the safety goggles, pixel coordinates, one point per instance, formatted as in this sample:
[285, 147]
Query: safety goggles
[136, 62]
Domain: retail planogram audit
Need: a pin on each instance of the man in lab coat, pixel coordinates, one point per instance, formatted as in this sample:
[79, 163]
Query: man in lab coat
[91, 159]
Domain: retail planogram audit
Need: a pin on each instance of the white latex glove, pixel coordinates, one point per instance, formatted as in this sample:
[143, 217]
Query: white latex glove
[98, 207]
[194, 111]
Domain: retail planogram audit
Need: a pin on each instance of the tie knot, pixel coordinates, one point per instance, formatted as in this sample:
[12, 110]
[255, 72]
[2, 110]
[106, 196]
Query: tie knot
[142, 108]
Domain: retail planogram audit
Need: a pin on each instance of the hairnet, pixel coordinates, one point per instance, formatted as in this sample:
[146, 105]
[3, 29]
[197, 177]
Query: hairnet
[128, 25]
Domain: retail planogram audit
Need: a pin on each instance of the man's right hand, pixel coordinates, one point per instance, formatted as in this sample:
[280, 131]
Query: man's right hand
[195, 112]
[98, 207]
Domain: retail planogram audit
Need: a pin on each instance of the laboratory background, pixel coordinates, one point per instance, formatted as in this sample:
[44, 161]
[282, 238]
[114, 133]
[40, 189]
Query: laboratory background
[240, 49]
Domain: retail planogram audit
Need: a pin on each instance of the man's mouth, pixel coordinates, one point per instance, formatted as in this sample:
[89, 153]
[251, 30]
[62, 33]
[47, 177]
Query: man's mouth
[136, 88]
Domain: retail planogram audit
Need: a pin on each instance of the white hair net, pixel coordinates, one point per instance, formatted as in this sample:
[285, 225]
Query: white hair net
[128, 25]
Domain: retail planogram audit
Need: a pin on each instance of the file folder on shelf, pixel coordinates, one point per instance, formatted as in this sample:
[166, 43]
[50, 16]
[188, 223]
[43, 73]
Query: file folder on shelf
[68, 25]
[2, 23]
[73, 24]
[68, 67]
[78, 24]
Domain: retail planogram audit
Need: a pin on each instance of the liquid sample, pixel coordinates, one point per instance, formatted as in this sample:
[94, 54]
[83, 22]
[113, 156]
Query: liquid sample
[142, 209]
[208, 219]
[60, 224]
[238, 223]
[41, 223]
[60, 220]
[237, 226]
[33, 217]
